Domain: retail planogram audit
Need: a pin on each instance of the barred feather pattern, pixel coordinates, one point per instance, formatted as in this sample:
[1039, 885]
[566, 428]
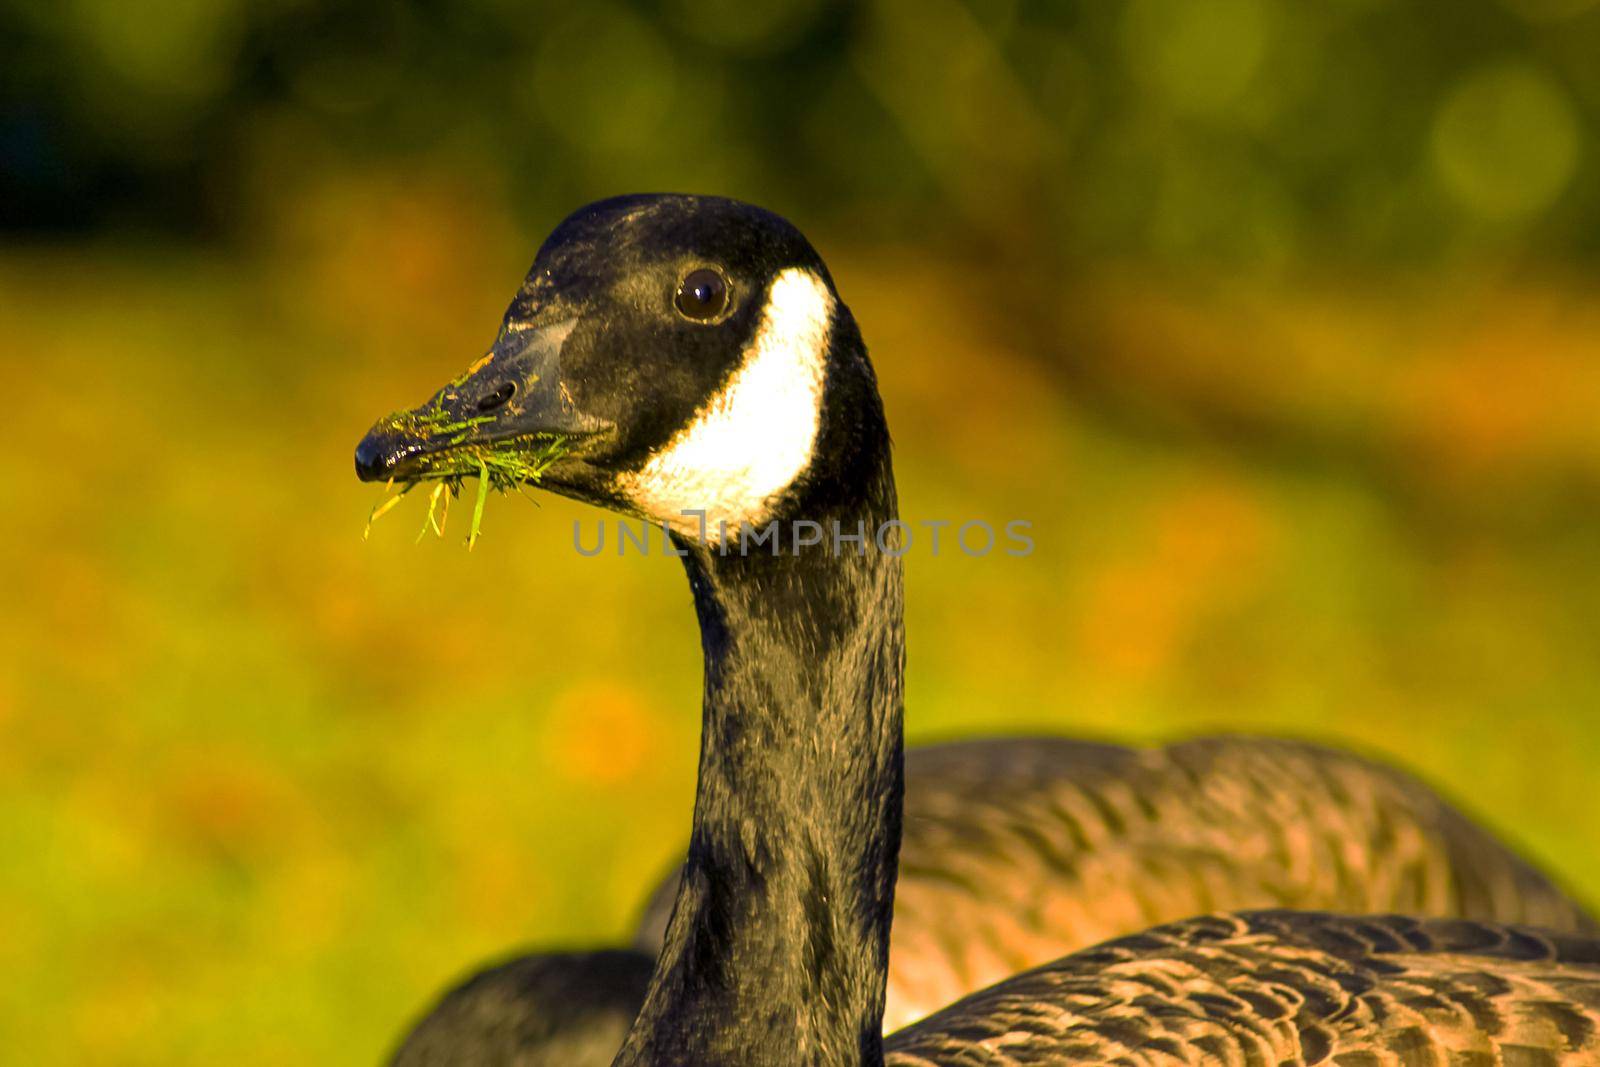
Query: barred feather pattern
[1020, 850]
[1284, 989]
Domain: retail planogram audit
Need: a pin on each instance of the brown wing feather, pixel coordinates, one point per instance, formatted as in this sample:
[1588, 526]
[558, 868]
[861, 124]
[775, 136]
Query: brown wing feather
[1283, 989]
[1017, 851]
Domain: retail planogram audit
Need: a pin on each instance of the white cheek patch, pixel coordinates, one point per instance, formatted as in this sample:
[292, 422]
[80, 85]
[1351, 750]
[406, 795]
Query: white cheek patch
[756, 435]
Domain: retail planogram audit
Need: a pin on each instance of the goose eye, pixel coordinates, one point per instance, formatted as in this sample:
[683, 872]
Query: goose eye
[702, 295]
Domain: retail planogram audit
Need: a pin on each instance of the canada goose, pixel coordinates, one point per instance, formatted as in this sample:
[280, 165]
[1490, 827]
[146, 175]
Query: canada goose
[767, 412]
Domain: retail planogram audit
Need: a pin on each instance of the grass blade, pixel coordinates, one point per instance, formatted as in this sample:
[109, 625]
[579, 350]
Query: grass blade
[428, 520]
[384, 506]
[477, 507]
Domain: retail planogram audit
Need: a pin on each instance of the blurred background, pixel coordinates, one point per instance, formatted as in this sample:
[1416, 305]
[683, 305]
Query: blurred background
[1279, 321]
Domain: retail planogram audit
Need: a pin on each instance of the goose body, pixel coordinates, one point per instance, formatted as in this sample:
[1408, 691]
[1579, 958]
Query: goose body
[1018, 850]
[750, 401]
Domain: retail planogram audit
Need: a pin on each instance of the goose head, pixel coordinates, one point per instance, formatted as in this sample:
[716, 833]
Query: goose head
[693, 357]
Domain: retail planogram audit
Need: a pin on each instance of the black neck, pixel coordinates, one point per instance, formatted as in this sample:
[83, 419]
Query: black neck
[777, 950]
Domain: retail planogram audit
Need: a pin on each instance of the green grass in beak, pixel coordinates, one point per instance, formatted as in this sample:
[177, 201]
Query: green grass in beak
[501, 469]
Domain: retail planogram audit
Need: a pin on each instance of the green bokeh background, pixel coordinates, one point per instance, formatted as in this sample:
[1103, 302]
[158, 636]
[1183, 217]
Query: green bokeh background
[1280, 322]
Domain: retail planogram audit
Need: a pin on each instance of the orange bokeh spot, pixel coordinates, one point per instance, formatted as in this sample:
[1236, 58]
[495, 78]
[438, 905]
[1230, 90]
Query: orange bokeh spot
[601, 733]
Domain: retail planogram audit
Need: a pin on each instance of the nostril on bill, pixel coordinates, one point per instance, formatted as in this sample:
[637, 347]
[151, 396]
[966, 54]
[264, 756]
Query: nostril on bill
[499, 398]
